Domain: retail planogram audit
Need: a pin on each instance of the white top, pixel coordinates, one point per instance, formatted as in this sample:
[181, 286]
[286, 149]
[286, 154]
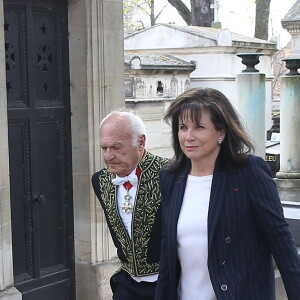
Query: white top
[127, 219]
[192, 241]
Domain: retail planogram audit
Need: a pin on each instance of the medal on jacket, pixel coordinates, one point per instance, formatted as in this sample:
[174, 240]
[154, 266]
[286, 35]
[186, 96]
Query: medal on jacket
[128, 182]
[127, 206]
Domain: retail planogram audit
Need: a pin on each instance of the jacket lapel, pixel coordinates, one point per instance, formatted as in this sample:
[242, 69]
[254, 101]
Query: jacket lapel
[177, 198]
[217, 198]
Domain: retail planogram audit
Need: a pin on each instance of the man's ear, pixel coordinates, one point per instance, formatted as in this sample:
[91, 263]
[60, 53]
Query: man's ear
[142, 142]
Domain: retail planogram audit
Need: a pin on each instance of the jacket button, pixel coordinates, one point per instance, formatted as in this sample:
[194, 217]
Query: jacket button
[227, 240]
[224, 287]
[224, 263]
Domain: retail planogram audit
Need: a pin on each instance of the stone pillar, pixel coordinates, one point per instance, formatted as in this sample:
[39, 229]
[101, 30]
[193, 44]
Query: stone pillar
[288, 177]
[289, 174]
[251, 99]
[291, 23]
[7, 291]
[97, 87]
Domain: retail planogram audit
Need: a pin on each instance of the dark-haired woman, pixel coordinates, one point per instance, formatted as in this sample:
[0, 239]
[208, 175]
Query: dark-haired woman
[222, 215]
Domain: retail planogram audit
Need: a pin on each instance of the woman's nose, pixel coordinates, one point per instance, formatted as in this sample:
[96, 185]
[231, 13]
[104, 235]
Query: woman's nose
[189, 135]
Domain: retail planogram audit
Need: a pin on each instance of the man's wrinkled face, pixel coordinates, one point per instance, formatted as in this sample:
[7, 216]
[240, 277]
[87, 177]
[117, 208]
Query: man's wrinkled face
[120, 155]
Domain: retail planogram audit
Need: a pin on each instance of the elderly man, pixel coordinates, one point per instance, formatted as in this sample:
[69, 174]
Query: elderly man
[128, 191]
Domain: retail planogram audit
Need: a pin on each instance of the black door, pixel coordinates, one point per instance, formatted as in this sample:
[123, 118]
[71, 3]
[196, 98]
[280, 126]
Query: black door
[37, 75]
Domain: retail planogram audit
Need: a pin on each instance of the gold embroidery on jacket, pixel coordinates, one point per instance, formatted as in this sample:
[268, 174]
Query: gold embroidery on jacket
[146, 205]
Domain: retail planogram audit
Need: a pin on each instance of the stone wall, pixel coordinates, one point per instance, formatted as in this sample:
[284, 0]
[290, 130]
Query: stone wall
[157, 86]
[158, 140]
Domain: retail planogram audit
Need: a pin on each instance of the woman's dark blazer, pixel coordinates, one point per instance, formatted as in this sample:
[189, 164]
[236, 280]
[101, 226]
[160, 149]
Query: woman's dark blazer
[245, 226]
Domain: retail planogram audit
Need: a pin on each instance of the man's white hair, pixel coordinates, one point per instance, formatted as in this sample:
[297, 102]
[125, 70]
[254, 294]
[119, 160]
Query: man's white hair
[137, 124]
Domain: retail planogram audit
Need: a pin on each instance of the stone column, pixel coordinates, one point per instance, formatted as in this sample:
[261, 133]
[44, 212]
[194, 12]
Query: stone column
[251, 99]
[288, 177]
[7, 291]
[289, 174]
[97, 87]
[291, 23]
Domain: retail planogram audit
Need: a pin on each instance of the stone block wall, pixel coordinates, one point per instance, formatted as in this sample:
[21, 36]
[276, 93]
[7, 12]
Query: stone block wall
[158, 139]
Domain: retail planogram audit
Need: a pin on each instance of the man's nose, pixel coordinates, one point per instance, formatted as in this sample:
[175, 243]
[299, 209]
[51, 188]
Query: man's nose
[109, 154]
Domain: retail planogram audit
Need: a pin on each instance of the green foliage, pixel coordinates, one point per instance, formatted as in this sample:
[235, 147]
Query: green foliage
[137, 6]
[139, 14]
[135, 15]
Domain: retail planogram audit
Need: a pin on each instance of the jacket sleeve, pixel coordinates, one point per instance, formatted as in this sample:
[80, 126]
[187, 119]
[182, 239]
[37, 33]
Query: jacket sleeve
[95, 184]
[269, 216]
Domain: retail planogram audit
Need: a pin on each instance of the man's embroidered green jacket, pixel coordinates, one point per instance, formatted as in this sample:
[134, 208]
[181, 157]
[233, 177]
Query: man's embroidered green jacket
[139, 255]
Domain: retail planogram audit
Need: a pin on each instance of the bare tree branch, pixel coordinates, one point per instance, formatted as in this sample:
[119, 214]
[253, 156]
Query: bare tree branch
[183, 10]
[161, 11]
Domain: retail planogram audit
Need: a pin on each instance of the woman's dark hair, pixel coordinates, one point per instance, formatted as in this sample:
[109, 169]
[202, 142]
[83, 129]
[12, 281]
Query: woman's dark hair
[236, 144]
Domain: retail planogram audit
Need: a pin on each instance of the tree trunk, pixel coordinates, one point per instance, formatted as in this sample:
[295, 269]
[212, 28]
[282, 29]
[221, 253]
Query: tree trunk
[152, 17]
[182, 10]
[202, 14]
[262, 19]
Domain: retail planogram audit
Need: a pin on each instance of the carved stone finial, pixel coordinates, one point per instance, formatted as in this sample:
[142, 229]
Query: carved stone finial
[250, 60]
[293, 64]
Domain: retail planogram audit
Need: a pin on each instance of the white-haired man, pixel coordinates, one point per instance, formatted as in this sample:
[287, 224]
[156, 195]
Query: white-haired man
[128, 191]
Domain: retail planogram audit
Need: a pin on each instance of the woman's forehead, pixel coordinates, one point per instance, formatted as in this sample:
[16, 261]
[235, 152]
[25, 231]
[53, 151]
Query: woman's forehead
[192, 114]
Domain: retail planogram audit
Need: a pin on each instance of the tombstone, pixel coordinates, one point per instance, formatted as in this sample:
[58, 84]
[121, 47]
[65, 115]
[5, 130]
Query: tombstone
[224, 38]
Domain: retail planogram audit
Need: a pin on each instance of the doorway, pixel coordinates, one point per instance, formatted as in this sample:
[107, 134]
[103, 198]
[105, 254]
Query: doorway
[39, 126]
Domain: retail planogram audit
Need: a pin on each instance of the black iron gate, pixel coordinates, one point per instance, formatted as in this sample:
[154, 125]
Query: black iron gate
[37, 81]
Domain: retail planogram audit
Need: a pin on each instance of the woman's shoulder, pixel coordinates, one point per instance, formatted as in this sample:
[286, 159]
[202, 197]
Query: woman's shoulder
[256, 161]
[255, 164]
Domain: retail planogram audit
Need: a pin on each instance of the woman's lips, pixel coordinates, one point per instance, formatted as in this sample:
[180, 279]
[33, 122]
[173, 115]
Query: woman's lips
[191, 147]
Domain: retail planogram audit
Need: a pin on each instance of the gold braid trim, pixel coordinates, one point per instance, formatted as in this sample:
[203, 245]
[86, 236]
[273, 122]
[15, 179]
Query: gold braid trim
[146, 205]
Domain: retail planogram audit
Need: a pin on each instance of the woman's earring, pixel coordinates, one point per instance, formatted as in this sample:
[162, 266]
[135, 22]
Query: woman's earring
[220, 141]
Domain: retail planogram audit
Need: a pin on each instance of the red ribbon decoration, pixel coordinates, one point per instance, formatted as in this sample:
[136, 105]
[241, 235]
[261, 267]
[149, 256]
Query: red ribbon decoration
[127, 185]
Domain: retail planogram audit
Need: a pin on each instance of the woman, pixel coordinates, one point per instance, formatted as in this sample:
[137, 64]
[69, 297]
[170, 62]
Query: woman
[222, 214]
